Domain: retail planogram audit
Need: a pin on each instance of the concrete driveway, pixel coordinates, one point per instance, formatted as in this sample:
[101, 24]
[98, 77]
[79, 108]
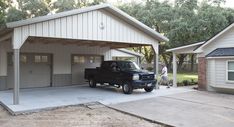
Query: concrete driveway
[190, 109]
[36, 99]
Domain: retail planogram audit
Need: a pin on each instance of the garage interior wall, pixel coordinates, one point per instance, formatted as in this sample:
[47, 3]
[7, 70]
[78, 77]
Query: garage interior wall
[61, 58]
[3, 64]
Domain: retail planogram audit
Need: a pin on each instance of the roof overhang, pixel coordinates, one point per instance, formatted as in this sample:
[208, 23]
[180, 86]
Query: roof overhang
[115, 11]
[185, 49]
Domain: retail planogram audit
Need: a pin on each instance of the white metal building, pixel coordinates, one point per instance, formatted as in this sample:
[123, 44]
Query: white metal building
[53, 50]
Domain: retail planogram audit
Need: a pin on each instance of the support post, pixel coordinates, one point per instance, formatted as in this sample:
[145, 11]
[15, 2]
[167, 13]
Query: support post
[174, 70]
[156, 63]
[138, 60]
[16, 76]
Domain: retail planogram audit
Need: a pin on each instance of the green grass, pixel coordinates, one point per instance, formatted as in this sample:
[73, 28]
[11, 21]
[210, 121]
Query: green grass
[181, 76]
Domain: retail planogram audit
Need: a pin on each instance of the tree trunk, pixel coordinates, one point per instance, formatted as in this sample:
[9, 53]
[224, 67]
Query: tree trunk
[181, 61]
[170, 63]
[192, 62]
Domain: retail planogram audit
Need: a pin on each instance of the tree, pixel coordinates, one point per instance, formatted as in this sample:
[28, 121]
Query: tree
[34, 8]
[185, 22]
[3, 7]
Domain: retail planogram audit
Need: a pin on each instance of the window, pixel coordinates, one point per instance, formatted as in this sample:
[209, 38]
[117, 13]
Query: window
[40, 59]
[78, 59]
[37, 59]
[44, 59]
[230, 71]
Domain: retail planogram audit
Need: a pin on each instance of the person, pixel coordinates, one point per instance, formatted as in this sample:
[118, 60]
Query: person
[164, 75]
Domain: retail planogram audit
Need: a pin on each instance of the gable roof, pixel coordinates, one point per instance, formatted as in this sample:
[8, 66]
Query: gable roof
[113, 10]
[195, 45]
[219, 52]
[198, 49]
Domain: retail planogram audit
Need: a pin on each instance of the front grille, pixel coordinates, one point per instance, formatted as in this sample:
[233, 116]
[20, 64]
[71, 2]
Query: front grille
[147, 77]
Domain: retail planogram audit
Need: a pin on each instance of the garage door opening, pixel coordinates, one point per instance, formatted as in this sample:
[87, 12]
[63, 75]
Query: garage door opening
[35, 70]
[80, 62]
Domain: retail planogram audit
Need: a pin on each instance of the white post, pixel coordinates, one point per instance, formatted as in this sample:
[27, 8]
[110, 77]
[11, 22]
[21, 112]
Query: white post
[156, 67]
[174, 70]
[16, 76]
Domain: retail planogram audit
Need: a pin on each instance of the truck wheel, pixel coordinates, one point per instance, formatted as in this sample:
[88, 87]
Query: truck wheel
[127, 88]
[149, 89]
[92, 83]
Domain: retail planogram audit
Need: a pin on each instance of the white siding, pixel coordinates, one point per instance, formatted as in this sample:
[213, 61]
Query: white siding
[216, 73]
[225, 40]
[61, 54]
[210, 72]
[95, 25]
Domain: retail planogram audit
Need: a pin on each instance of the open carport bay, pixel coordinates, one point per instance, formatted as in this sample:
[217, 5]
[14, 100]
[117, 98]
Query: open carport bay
[190, 109]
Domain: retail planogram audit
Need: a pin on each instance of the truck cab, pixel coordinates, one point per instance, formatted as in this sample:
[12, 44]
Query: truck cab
[125, 74]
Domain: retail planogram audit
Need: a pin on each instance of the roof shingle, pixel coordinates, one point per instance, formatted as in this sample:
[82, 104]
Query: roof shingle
[221, 52]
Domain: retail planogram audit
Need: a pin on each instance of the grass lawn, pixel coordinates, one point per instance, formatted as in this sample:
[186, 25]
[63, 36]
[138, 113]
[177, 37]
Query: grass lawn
[184, 76]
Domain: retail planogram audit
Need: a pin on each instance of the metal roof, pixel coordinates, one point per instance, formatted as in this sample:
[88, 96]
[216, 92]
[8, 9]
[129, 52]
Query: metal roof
[219, 52]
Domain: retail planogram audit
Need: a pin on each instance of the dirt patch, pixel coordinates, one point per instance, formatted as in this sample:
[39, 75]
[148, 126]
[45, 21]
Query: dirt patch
[74, 116]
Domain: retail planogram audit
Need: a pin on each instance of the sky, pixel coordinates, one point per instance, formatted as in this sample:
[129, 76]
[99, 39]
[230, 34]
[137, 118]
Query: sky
[229, 3]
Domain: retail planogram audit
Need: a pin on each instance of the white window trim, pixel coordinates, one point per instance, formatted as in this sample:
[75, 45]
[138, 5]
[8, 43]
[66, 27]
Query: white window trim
[229, 81]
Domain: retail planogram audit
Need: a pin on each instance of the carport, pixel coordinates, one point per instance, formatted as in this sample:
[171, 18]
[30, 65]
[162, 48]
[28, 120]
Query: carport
[54, 45]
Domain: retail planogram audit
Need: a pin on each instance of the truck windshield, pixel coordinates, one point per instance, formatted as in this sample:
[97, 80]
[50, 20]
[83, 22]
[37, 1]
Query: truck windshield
[128, 66]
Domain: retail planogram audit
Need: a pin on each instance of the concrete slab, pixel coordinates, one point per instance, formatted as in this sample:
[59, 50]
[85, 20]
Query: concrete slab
[190, 109]
[36, 99]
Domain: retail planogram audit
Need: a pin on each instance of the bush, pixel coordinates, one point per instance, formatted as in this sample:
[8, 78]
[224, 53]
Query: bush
[186, 82]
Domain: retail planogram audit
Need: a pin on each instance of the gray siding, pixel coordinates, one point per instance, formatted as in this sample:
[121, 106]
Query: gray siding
[3, 80]
[61, 79]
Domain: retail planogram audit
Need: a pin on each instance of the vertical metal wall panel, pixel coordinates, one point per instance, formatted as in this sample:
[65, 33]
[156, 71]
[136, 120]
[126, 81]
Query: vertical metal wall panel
[39, 29]
[63, 25]
[85, 25]
[45, 29]
[69, 27]
[74, 26]
[94, 25]
[51, 28]
[57, 28]
[80, 26]
[32, 29]
[90, 25]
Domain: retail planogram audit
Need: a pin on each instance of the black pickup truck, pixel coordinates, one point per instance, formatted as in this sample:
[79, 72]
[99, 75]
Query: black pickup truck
[121, 73]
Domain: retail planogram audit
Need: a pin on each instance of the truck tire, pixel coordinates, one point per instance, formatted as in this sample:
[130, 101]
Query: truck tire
[149, 89]
[92, 83]
[127, 88]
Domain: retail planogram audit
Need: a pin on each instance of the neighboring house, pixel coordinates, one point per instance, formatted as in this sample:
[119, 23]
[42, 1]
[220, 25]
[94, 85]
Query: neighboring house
[124, 54]
[215, 61]
[54, 50]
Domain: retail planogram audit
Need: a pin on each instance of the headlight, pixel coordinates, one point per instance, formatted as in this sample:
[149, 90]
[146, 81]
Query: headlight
[155, 76]
[135, 77]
